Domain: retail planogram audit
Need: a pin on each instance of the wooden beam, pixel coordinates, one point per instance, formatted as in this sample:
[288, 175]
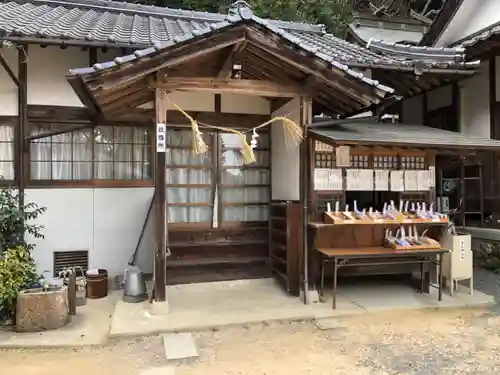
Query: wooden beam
[61, 130]
[334, 78]
[127, 76]
[227, 66]
[232, 86]
[160, 263]
[9, 71]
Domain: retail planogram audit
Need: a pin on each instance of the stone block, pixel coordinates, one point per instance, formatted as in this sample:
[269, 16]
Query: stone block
[37, 310]
[179, 345]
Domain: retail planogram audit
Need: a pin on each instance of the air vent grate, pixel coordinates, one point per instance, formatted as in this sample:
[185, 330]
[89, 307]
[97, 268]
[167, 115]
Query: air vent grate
[65, 259]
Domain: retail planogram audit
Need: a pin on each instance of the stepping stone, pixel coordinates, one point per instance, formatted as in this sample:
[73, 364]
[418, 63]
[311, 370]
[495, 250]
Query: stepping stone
[328, 323]
[162, 370]
[179, 345]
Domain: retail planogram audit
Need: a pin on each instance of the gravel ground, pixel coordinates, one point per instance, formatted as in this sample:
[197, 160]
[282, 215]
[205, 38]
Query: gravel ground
[428, 342]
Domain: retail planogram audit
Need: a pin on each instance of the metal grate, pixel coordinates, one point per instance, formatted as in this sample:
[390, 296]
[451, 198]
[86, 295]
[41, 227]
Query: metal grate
[64, 259]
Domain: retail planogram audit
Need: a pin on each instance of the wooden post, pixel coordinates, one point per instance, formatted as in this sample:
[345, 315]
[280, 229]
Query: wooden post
[160, 262]
[22, 103]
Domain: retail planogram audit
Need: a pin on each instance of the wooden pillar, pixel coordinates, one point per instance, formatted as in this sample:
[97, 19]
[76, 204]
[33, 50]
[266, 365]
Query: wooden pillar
[305, 177]
[494, 133]
[22, 103]
[160, 207]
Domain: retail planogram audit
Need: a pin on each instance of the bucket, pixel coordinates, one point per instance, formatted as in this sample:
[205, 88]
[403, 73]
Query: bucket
[97, 283]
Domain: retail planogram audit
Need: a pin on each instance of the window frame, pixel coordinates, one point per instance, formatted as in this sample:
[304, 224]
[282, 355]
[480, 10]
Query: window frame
[11, 121]
[216, 150]
[93, 182]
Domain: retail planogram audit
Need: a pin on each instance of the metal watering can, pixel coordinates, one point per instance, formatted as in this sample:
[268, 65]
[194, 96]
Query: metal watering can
[134, 286]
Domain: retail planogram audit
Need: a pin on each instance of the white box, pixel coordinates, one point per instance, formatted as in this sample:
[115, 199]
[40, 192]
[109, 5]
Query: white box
[458, 264]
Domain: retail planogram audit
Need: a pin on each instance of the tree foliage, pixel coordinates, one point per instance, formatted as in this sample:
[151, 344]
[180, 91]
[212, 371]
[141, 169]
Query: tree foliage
[334, 14]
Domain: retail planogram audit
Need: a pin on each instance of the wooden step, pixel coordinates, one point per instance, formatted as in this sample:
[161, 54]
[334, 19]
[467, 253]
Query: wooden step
[214, 261]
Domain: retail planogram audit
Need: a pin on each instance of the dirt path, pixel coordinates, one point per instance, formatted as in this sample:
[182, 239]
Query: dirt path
[405, 343]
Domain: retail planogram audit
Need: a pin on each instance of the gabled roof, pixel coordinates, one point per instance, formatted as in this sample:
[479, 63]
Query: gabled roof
[368, 131]
[117, 24]
[332, 82]
[241, 12]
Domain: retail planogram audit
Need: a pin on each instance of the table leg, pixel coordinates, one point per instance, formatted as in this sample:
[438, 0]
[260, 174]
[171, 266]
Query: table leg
[334, 293]
[322, 280]
[422, 276]
[440, 277]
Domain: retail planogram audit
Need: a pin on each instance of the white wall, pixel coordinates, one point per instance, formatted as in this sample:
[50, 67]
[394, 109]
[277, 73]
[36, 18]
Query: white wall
[285, 157]
[412, 110]
[47, 84]
[106, 222]
[475, 104]
[472, 17]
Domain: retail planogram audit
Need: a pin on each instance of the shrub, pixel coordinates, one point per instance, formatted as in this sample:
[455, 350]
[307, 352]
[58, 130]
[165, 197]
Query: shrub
[14, 223]
[17, 272]
[17, 266]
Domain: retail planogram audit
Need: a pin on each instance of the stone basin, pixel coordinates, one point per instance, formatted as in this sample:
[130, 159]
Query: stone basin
[41, 310]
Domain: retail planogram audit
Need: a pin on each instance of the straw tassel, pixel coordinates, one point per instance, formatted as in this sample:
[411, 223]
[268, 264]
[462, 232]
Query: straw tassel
[293, 134]
[199, 145]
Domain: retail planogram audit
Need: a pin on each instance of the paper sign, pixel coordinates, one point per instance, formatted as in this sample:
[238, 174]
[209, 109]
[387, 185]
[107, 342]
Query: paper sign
[423, 180]
[342, 156]
[327, 179]
[381, 180]
[161, 138]
[432, 176]
[397, 181]
[411, 180]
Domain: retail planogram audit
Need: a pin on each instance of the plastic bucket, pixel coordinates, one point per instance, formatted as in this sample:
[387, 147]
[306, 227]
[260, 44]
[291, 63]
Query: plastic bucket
[97, 283]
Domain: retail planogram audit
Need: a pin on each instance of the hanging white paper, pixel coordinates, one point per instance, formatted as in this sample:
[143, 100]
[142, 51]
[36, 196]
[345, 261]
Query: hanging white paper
[411, 180]
[423, 180]
[432, 176]
[327, 179]
[397, 181]
[336, 180]
[161, 138]
[367, 182]
[352, 179]
[359, 179]
[342, 156]
[381, 180]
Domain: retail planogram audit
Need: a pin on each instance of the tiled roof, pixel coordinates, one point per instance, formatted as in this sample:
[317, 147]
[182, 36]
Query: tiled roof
[110, 22]
[368, 131]
[366, 26]
[241, 12]
[483, 35]
[429, 55]
[104, 22]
